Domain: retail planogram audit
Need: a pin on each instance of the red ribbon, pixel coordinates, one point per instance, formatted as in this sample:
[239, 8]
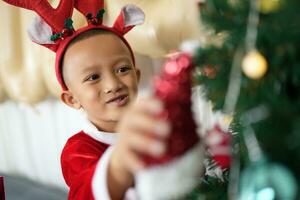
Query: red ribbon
[2, 193]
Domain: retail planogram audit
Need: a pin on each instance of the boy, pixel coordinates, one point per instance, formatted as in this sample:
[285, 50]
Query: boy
[102, 80]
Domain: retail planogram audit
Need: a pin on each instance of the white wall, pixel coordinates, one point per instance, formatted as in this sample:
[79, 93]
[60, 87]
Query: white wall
[31, 139]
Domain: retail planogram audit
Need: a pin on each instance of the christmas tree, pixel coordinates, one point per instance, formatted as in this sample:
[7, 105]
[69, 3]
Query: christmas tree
[251, 71]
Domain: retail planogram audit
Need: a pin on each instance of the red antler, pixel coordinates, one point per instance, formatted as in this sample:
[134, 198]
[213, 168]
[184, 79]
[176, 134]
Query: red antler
[129, 17]
[54, 17]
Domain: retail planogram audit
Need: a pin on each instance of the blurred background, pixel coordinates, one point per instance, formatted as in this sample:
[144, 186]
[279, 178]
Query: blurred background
[34, 124]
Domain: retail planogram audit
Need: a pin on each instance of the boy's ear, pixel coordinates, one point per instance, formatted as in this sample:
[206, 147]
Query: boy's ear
[138, 74]
[68, 98]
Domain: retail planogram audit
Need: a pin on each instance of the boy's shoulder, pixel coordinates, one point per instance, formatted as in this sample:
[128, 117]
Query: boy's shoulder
[80, 154]
[81, 136]
[83, 143]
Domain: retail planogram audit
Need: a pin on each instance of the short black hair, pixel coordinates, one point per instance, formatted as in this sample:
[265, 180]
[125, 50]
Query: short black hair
[87, 35]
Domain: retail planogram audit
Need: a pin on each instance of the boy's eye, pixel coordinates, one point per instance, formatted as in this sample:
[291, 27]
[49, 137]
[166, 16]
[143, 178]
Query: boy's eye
[93, 77]
[123, 69]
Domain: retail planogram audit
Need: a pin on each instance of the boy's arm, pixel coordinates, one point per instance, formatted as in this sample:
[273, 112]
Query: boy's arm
[118, 181]
[140, 133]
[103, 183]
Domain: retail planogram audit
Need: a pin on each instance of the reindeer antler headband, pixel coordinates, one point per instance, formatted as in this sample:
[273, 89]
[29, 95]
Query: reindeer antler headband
[53, 28]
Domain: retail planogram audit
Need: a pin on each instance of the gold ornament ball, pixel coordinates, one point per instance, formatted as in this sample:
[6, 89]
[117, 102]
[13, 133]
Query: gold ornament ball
[268, 6]
[254, 65]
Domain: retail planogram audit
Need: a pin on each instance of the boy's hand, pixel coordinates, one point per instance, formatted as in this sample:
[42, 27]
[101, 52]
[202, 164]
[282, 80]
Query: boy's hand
[141, 132]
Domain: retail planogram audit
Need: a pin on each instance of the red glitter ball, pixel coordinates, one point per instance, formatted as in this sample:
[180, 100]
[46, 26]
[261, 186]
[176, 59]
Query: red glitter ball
[173, 87]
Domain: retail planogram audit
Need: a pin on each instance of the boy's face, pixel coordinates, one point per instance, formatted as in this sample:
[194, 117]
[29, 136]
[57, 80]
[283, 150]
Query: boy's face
[101, 79]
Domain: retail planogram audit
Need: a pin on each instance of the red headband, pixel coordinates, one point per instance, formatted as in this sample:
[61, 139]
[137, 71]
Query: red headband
[53, 28]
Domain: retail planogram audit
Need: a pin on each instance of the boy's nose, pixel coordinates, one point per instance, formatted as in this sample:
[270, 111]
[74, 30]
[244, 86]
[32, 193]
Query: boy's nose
[112, 84]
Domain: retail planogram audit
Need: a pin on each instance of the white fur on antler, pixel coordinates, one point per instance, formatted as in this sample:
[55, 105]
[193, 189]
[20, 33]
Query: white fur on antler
[39, 31]
[133, 15]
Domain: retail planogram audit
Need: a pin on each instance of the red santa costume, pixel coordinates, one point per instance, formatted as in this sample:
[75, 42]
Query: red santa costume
[85, 158]
[84, 163]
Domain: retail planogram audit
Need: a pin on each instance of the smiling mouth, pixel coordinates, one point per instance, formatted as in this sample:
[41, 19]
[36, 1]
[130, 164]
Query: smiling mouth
[119, 101]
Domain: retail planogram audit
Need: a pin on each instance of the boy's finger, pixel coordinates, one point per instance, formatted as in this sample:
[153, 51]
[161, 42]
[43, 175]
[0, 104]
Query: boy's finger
[147, 145]
[149, 105]
[148, 124]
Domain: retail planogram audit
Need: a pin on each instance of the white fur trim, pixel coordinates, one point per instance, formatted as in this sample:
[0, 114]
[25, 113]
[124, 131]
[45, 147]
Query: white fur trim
[172, 180]
[39, 31]
[133, 15]
[101, 136]
[99, 180]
